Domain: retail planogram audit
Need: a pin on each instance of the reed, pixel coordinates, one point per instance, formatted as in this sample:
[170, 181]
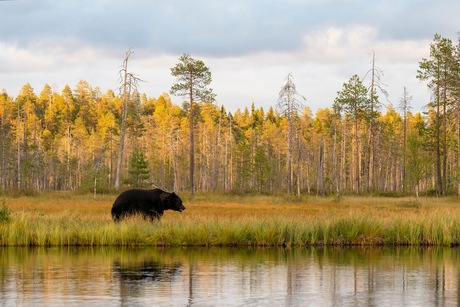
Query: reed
[80, 220]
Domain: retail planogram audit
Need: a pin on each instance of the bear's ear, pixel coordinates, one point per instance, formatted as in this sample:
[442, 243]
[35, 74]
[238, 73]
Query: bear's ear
[164, 196]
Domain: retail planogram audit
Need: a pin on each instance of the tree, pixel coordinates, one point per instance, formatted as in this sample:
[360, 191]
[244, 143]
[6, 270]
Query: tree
[291, 103]
[455, 87]
[374, 106]
[69, 112]
[6, 119]
[323, 124]
[438, 70]
[404, 106]
[353, 101]
[139, 173]
[26, 132]
[417, 157]
[193, 78]
[129, 83]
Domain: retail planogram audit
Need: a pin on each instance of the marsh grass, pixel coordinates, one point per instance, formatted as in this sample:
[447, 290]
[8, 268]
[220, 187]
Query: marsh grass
[409, 204]
[80, 220]
[5, 213]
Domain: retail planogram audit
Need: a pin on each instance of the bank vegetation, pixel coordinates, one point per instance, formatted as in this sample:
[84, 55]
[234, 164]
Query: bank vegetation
[81, 220]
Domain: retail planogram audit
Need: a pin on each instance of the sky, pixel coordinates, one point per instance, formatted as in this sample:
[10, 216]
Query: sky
[250, 46]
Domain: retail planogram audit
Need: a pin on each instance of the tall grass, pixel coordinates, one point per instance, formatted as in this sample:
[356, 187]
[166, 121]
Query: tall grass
[69, 220]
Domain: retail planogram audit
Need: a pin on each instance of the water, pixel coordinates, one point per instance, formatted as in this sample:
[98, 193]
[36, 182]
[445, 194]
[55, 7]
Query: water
[229, 277]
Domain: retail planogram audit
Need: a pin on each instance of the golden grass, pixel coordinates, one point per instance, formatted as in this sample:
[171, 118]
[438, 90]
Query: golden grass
[63, 219]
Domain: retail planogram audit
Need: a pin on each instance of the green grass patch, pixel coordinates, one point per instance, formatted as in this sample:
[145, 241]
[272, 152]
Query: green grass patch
[81, 220]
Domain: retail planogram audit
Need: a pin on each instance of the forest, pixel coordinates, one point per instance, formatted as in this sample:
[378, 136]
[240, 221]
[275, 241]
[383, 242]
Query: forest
[70, 139]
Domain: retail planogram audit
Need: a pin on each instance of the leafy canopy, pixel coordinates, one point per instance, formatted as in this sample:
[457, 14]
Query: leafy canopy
[193, 78]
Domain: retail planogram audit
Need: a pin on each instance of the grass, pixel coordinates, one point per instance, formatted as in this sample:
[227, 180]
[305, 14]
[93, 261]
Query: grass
[63, 219]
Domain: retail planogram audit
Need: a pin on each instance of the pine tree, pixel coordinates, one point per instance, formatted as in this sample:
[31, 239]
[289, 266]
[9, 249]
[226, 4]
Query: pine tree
[139, 172]
[439, 70]
[354, 102]
[193, 78]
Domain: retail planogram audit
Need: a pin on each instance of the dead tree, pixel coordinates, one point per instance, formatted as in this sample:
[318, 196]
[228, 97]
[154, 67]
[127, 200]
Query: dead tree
[404, 106]
[290, 102]
[374, 105]
[129, 82]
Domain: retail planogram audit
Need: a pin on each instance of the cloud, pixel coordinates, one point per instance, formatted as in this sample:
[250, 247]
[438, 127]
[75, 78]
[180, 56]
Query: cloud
[333, 44]
[208, 28]
[336, 45]
[14, 59]
[218, 28]
[250, 46]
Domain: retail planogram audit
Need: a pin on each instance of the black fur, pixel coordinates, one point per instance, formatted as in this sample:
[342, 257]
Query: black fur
[149, 203]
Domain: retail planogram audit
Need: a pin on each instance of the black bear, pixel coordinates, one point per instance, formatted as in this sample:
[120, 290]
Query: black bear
[149, 203]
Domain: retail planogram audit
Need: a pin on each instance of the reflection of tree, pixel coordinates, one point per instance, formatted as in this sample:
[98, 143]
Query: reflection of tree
[190, 286]
[324, 276]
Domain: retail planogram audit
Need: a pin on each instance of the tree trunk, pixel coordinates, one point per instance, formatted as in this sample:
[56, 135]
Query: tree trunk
[321, 169]
[19, 149]
[357, 159]
[438, 141]
[126, 94]
[192, 145]
[458, 144]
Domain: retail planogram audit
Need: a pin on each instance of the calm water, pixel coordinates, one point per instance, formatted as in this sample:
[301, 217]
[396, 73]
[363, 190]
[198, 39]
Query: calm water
[230, 277]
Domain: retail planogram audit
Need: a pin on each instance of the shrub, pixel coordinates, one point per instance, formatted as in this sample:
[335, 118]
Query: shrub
[5, 213]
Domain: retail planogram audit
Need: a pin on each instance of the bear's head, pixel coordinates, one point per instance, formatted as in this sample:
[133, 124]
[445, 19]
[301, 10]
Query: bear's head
[172, 201]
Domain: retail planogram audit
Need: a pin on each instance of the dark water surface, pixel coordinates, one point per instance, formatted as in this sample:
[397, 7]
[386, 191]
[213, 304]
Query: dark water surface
[229, 277]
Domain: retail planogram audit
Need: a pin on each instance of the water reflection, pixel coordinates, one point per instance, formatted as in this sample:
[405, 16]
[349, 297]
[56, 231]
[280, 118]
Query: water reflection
[223, 276]
[136, 276]
[146, 270]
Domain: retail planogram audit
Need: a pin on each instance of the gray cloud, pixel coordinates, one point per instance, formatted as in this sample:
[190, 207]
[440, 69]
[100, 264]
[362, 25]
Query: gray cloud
[213, 27]
[250, 44]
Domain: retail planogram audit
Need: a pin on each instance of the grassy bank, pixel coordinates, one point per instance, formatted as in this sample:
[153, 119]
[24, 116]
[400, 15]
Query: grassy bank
[65, 219]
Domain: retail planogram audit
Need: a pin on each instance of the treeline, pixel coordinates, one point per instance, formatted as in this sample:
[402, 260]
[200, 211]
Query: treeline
[69, 140]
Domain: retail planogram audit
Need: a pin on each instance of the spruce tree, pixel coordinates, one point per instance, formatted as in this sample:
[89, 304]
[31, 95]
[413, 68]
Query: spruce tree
[139, 172]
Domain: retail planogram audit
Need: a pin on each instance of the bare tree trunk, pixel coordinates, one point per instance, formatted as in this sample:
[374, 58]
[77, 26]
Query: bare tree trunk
[174, 149]
[370, 158]
[357, 159]
[343, 164]
[321, 169]
[405, 102]
[337, 159]
[19, 149]
[438, 145]
[299, 156]
[216, 166]
[129, 82]
[444, 145]
[192, 145]
[289, 157]
[121, 146]
[287, 100]
[458, 141]
[3, 171]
